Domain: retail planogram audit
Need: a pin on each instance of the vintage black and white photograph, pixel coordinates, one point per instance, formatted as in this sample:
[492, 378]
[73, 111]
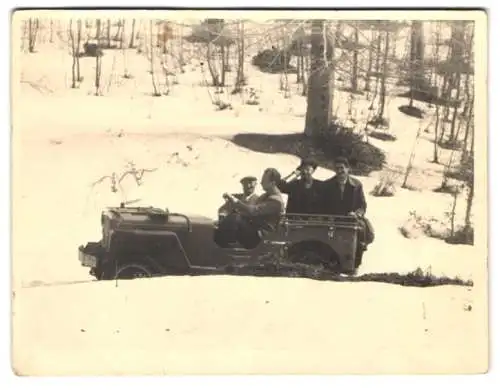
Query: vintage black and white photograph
[249, 192]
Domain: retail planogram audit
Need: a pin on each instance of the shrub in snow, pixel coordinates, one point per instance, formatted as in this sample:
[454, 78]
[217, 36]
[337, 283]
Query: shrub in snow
[386, 185]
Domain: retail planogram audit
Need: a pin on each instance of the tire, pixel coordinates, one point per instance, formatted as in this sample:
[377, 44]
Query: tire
[320, 257]
[133, 271]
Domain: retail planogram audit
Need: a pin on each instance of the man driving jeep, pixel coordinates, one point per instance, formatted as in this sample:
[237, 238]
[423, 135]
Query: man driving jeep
[250, 221]
[247, 196]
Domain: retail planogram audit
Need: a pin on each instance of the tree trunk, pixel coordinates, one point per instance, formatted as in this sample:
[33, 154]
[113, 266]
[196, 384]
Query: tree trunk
[446, 96]
[24, 35]
[468, 126]
[436, 132]
[223, 65]
[118, 31]
[108, 33]
[227, 65]
[240, 77]
[73, 53]
[51, 39]
[453, 213]
[98, 60]
[165, 37]
[98, 30]
[284, 58]
[412, 157]
[354, 79]
[319, 96]
[132, 36]
[155, 89]
[370, 63]
[377, 60]
[242, 53]
[305, 78]
[299, 66]
[417, 72]
[468, 209]
[33, 31]
[384, 76]
[458, 87]
[467, 80]
[213, 72]
[121, 34]
[77, 51]
[181, 46]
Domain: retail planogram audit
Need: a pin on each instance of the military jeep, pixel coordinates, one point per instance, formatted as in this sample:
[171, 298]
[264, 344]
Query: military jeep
[147, 241]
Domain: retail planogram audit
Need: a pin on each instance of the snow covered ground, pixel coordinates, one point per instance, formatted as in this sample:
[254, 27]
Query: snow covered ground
[66, 139]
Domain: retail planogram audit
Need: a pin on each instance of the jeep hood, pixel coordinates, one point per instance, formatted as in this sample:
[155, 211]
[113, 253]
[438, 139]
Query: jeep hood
[140, 219]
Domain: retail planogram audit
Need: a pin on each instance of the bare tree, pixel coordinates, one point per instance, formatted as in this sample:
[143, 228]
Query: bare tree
[98, 30]
[212, 34]
[354, 78]
[284, 86]
[383, 82]
[121, 30]
[73, 54]
[51, 38]
[98, 60]
[370, 62]
[132, 35]
[436, 140]
[108, 33]
[33, 25]
[412, 156]
[240, 74]
[180, 36]
[377, 60]
[152, 69]
[416, 66]
[469, 166]
[78, 42]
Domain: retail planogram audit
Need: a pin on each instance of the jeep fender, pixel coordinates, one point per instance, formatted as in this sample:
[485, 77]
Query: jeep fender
[163, 249]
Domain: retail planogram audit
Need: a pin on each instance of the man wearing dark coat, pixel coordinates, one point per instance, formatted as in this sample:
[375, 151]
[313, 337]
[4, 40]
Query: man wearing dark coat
[344, 195]
[304, 192]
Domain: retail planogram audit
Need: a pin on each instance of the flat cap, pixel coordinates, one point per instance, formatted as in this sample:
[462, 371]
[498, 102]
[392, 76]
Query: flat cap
[248, 179]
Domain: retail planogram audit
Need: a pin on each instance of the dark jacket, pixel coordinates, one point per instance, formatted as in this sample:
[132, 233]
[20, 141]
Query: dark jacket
[302, 200]
[353, 198]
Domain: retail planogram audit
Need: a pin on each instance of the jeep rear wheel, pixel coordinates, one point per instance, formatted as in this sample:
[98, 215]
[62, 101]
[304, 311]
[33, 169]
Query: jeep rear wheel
[133, 271]
[320, 257]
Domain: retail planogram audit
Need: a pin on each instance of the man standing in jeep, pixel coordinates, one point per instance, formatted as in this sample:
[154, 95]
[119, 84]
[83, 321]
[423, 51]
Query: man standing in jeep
[344, 195]
[303, 190]
[250, 221]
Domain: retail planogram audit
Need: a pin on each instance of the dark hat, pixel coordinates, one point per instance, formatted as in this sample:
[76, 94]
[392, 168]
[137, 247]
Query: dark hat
[308, 162]
[342, 160]
[248, 179]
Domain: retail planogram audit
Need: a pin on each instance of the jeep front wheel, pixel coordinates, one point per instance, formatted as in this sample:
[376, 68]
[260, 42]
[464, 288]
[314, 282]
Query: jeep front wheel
[133, 271]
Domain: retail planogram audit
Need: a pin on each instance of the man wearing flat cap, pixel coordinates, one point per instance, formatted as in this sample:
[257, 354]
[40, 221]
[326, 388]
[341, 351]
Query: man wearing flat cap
[248, 223]
[248, 196]
[304, 192]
